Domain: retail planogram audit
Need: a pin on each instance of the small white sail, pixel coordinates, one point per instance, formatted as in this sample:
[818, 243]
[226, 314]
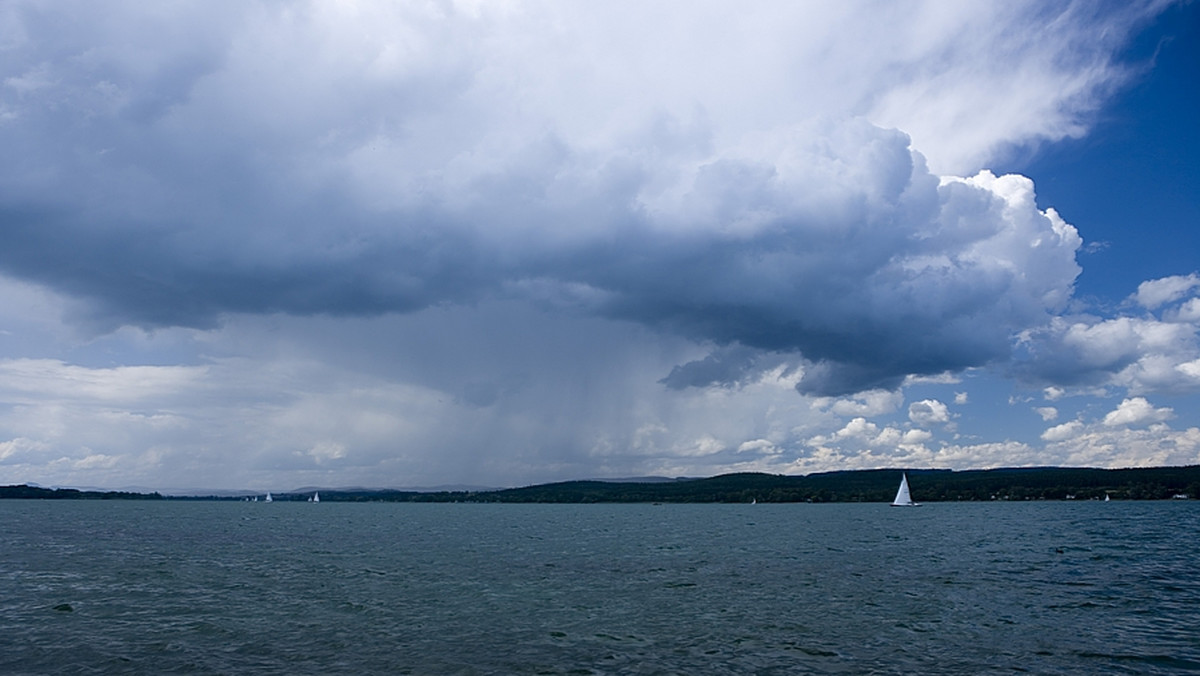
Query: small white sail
[316, 497]
[903, 498]
[269, 496]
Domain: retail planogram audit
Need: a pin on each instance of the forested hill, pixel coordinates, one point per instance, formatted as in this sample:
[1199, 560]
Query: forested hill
[1039, 483]
[928, 485]
[1049, 483]
[39, 493]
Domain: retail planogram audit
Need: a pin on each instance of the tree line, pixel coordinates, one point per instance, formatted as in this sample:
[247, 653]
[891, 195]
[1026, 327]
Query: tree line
[24, 492]
[879, 485]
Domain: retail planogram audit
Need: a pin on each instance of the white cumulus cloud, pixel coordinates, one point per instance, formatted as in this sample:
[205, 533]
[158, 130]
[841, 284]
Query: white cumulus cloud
[869, 403]
[928, 412]
[1137, 411]
[1067, 430]
[1156, 292]
[1142, 354]
[1047, 412]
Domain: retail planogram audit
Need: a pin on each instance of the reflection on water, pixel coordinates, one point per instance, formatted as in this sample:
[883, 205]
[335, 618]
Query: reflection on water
[604, 589]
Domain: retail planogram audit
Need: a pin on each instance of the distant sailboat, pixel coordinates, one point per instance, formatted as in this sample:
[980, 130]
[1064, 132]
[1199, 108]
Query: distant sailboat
[315, 498]
[903, 498]
[269, 497]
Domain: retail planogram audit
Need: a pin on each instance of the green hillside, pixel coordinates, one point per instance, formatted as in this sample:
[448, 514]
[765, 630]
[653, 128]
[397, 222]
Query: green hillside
[879, 485]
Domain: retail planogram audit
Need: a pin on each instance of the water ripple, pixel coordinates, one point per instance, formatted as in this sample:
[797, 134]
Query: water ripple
[1048, 588]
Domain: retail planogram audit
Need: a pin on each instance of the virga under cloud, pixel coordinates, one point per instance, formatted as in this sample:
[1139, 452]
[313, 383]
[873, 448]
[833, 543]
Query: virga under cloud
[783, 202]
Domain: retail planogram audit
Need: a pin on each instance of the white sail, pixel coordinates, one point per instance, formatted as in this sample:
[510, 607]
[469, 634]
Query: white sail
[903, 498]
[316, 497]
[268, 497]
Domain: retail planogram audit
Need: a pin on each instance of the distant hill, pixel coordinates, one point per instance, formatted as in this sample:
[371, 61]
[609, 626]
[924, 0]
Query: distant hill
[928, 485]
[1039, 483]
[28, 492]
[877, 485]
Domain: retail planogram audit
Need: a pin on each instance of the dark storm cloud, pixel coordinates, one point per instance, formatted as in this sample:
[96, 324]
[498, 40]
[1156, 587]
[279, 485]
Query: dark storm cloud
[278, 160]
[727, 365]
[871, 271]
[156, 275]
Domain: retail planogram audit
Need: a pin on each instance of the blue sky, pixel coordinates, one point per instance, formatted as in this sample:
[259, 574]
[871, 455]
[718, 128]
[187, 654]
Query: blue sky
[365, 243]
[1141, 145]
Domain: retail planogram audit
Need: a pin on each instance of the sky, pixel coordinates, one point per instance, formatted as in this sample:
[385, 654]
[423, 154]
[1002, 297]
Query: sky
[263, 245]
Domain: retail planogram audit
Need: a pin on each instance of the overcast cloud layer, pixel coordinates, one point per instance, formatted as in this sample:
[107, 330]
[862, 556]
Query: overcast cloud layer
[399, 243]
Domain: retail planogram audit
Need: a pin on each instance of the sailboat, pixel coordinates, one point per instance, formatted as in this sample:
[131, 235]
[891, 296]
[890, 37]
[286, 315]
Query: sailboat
[903, 497]
[315, 498]
[269, 496]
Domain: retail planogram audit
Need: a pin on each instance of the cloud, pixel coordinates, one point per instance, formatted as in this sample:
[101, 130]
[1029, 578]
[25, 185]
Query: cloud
[928, 412]
[15, 451]
[1047, 412]
[915, 436]
[724, 366]
[859, 428]
[1137, 411]
[1190, 369]
[1188, 312]
[1154, 446]
[1157, 292]
[316, 401]
[861, 441]
[869, 403]
[1049, 104]
[363, 240]
[118, 386]
[284, 401]
[1143, 354]
[759, 446]
[434, 156]
[1067, 430]
[1076, 443]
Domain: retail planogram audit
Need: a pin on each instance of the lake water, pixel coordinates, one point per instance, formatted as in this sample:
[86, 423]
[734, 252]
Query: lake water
[337, 588]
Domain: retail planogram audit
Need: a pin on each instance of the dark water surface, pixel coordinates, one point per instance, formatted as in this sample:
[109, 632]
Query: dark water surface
[335, 588]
